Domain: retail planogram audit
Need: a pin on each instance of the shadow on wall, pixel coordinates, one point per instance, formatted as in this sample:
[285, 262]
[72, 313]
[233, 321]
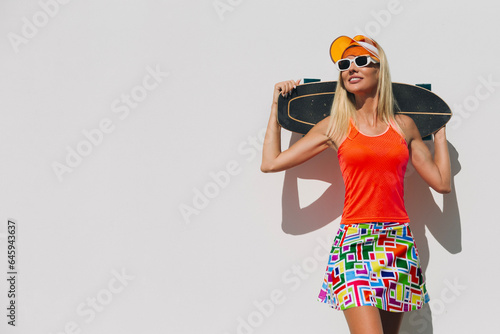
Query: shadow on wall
[420, 204]
[324, 210]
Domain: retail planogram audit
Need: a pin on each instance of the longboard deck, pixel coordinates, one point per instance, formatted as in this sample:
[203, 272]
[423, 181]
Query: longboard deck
[311, 102]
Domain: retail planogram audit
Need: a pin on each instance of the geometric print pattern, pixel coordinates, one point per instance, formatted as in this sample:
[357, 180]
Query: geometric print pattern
[374, 264]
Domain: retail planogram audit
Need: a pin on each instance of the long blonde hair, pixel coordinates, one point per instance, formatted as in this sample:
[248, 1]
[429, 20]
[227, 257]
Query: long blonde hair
[344, 103]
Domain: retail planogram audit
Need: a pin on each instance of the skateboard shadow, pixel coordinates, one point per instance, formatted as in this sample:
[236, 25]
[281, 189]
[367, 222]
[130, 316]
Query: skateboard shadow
[444, 225]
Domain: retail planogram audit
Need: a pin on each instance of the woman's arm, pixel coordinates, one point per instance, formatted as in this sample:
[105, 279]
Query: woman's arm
[435, 171]
[313, 143]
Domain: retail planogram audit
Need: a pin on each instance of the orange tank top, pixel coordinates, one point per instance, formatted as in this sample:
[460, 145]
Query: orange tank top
[373, 168]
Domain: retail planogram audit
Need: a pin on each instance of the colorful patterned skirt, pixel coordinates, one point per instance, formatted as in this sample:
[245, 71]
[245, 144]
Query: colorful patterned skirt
[374, 264]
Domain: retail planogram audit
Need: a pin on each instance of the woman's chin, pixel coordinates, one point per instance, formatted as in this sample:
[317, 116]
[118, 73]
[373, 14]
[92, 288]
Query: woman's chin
[357, 89]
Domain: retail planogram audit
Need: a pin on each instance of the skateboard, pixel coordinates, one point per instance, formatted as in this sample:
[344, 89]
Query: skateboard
[311, 102]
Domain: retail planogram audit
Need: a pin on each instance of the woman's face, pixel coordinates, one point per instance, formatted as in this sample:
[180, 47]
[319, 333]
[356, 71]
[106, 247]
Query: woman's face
[360, 80]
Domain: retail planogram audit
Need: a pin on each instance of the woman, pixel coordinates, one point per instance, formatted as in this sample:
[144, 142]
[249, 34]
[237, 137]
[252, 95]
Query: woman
[373, 274]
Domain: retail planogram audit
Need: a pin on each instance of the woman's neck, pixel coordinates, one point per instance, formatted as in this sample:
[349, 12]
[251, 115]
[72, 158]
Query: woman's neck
[366, 109]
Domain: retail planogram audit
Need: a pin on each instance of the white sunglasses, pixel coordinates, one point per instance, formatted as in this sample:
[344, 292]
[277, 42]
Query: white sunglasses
[360, 61]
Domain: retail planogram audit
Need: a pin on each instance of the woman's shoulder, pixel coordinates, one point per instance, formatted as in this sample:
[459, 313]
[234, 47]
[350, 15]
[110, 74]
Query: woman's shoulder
[323, 128]
[408, 126]
[403, 119]
[405, 122]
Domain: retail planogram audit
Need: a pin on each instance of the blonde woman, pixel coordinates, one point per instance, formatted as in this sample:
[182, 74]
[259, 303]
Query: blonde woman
[373, 273]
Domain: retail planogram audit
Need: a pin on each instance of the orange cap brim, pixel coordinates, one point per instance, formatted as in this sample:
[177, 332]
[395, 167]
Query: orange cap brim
[342, 43]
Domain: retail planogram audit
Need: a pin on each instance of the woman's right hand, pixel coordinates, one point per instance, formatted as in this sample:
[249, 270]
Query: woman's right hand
[284, 88]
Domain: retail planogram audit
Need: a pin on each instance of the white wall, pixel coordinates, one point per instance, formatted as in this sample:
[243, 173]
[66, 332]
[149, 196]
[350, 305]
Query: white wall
[105, 249]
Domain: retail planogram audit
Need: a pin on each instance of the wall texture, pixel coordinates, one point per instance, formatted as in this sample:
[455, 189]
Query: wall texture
[130, 143]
